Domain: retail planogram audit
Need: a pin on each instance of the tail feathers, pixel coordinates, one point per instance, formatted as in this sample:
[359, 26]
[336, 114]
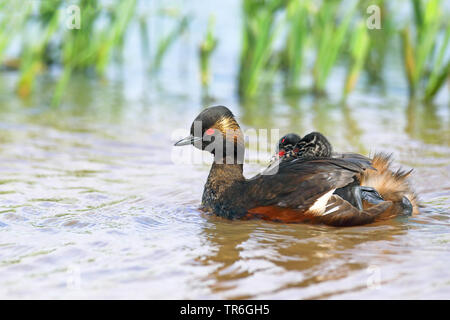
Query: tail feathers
[392, 185]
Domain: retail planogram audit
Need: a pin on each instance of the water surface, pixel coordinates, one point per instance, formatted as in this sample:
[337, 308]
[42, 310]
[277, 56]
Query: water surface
[92, 205]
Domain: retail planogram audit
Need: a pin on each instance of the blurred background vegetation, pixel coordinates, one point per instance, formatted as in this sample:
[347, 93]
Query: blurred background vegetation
[287, 46]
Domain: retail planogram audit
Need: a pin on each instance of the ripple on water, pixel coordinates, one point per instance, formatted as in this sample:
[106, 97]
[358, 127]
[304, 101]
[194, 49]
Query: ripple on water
[103, 212]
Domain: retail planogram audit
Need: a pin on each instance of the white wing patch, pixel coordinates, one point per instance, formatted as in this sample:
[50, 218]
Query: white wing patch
[319, 207]
[331, 211]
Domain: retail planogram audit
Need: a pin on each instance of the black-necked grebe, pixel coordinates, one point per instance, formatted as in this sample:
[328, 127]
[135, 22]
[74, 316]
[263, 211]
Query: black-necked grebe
[301, 190]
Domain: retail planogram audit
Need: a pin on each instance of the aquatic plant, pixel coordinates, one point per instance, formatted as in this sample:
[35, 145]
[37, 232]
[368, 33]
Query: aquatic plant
[73, 49]
[167, 40]
[359, 46]
[33, 56]
[11, 24]
[440, 70]
[46, 40]
[113, 36]
[329, 37]
[279, 40]
[89, 47]
[206, 49]
[381, 42]
[260, 28]
[424, 55]
[297, 35]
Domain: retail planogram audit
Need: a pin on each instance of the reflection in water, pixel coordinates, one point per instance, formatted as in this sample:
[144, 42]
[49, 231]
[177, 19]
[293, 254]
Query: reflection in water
[425, 124]
[323, 118]
[296, 114]
[259, 113]
[353, 131]
[291, 257]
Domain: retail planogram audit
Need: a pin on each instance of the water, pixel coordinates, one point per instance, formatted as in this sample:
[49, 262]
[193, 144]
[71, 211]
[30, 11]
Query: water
[95, 204]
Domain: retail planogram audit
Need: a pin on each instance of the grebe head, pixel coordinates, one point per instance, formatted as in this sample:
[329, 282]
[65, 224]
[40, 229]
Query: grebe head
[314, 144]
[216, 130]
[287, 142]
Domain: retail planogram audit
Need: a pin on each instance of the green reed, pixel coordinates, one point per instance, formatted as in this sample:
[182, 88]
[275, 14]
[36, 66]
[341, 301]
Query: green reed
[292, 40]
[423, 54]
[380, 43]
[259, 32]
[89, 47]
[297, 35]
[326, 27]
[329, 36]
[359, 46]
[206, 49]
[47, 41]
[10, 24]
[113, 36]
[35, 52]
[337, 30]
[167, 40]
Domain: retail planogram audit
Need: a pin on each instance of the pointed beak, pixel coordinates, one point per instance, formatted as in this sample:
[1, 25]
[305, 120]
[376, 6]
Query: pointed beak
[188, 140]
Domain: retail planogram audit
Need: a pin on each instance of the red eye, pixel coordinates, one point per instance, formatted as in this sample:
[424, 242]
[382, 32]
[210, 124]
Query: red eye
[210, 131]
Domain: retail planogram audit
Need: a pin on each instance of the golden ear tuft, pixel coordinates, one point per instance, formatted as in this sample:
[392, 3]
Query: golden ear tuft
[227, 123]
[230, 128]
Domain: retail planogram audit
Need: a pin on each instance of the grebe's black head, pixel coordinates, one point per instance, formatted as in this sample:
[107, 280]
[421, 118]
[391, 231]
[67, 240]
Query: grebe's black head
[287, 142]
[215, 130]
